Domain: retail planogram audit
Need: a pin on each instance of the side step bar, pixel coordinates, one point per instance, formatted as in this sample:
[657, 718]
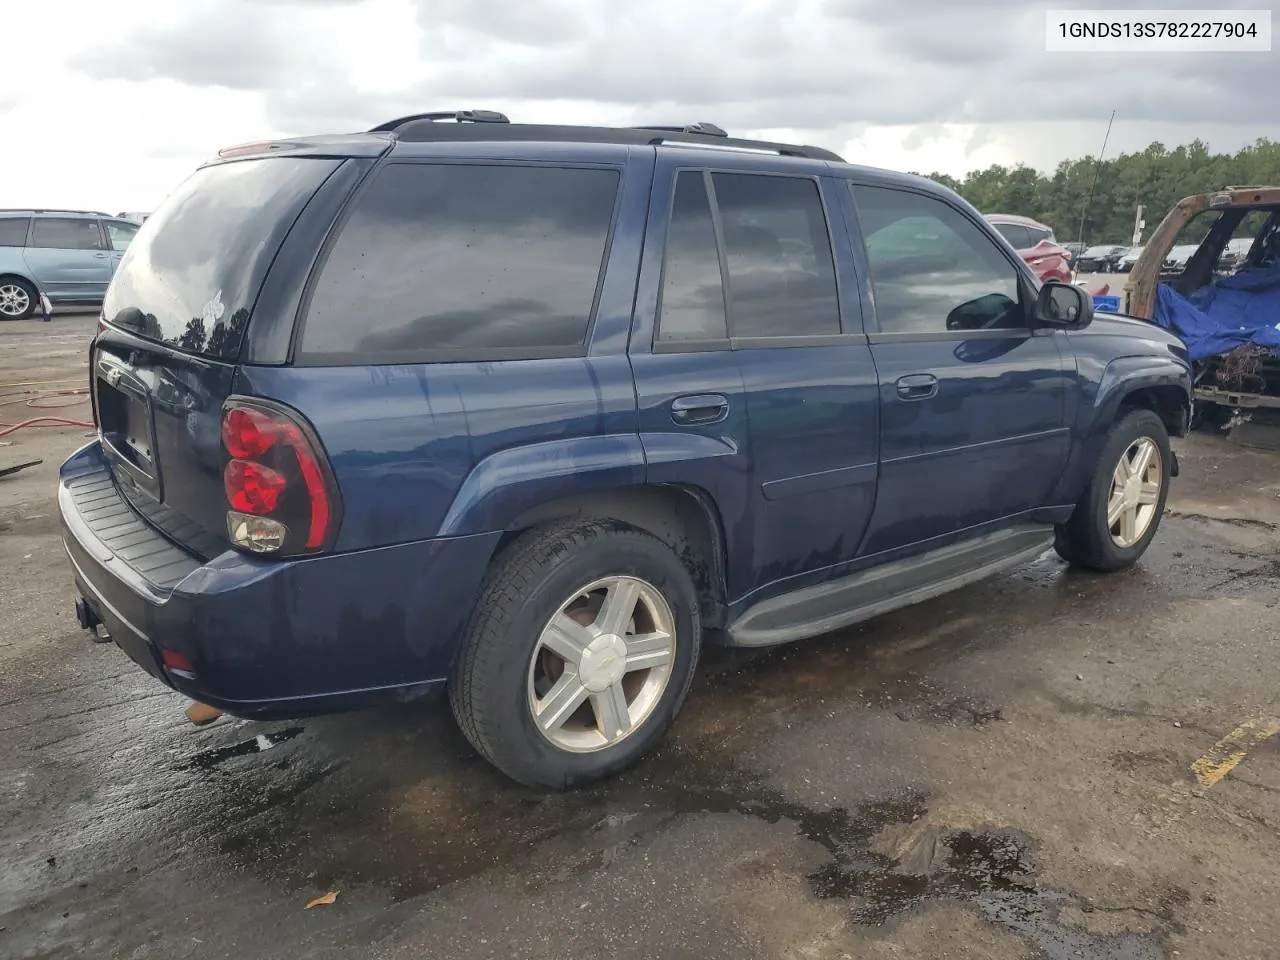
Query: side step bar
[869, 593]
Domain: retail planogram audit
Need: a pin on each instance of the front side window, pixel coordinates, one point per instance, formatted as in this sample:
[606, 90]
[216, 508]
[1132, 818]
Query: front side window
[932, 269]
[464, 259]
[57, 233]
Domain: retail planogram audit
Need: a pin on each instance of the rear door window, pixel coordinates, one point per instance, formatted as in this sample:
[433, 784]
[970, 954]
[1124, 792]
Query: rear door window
[58, 233]
[13, 231]
[443, 261]
[782, 278]
[692, 284]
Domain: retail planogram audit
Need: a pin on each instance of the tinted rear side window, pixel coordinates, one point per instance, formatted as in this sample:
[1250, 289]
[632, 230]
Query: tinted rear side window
[191, 274]
[58, 233]
[692, 284]
[13, 231]
[455, 262]
[782, 280]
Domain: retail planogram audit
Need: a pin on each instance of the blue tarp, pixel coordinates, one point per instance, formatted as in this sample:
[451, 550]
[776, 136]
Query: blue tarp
[1229, 313]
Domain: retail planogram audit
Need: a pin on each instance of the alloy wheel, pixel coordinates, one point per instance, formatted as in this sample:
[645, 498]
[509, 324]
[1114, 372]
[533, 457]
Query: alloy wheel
[601, 664]
[1135, 492]
[14, 300]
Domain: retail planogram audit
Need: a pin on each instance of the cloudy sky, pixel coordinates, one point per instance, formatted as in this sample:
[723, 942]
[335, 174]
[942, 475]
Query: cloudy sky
[115, 101]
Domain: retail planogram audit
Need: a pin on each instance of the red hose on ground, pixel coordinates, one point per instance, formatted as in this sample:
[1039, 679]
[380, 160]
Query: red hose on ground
[75, 397]
[7, 428]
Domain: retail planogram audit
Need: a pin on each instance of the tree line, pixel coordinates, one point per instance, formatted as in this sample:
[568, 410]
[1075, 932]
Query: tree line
[1156, 177]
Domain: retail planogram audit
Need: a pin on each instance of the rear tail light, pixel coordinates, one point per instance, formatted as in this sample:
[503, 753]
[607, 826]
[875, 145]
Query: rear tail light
[278, 485]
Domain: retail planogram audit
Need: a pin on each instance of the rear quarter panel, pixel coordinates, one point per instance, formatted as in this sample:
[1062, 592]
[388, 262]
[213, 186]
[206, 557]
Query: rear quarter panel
[476, 444]
[12, 263]
[450, 449]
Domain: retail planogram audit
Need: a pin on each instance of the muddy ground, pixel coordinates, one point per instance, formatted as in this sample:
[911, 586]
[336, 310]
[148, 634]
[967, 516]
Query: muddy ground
[1002, 773]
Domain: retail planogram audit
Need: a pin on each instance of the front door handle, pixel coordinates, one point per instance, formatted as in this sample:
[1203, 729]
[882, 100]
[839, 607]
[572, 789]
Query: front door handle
[700, 408]
[917, 386]
[101, 256]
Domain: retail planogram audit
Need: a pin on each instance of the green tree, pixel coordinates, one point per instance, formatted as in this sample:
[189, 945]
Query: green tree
[1155, 177]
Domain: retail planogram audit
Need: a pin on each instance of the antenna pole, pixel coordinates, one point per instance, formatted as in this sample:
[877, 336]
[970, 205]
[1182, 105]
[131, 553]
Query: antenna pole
[1097, 169]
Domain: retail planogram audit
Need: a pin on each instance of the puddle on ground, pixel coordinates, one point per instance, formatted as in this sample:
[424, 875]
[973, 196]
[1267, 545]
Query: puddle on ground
[396, 800]
[990, 870]
[209, 759]
[556, 838]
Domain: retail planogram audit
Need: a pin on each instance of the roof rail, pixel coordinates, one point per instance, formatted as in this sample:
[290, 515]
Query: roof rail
[702, 126]
[87, 213]
[729, 148]
[424, 129]
[459, 116]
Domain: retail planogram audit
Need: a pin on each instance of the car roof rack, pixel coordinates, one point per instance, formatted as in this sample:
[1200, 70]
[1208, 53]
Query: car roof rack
[458, 116]
[702, 126]
[86, 213]
[482, 125]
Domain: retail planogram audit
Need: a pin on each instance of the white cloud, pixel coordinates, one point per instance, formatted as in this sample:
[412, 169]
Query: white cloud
[116, 102]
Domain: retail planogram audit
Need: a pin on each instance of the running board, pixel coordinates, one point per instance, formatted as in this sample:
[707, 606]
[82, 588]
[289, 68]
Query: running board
[869, 593]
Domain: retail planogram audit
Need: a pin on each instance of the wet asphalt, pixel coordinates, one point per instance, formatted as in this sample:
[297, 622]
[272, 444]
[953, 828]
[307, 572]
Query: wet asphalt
[1004, 772]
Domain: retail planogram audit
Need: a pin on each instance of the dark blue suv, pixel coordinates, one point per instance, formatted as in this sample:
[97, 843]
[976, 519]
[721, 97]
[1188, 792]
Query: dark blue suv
[527, 412]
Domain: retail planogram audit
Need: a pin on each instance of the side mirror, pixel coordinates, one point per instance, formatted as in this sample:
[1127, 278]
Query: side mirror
[1063, 305]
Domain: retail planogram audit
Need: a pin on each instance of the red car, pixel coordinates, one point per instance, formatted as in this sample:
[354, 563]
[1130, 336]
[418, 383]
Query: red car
[1035, 243]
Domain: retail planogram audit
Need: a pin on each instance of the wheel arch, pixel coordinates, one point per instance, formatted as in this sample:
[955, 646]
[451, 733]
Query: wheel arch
[1144, 382]
[685, 518]
[1159, 384]
[1168, 401]
[21, 278]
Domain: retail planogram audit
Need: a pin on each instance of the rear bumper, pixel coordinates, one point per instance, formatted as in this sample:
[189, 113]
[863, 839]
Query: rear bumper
[268, 639]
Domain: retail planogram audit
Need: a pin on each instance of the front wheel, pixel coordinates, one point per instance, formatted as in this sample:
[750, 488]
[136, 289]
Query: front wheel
[579, 654]
[1116, 519]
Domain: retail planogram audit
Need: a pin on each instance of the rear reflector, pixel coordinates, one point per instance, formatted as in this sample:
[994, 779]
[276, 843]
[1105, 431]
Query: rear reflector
[176, 662]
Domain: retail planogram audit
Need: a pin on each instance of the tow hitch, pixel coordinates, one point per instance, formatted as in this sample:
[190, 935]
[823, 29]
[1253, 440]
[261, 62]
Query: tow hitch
[89, 620]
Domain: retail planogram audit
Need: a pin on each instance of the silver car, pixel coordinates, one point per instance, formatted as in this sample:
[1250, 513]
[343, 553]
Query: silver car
[68, 255]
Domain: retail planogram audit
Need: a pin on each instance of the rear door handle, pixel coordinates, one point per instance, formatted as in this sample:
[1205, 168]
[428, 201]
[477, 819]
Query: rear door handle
[101, 256]
[700, 408]
[917, 386]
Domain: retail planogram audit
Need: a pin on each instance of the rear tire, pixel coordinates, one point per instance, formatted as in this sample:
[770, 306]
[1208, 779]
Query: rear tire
[1118, 515]
[18, 299]
[579, 654]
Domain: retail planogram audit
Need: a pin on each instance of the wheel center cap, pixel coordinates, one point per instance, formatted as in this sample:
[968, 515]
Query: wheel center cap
[603, 662]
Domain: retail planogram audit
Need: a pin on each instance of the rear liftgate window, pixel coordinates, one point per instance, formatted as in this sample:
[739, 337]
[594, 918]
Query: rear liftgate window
[458, 262]
[191, 275]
